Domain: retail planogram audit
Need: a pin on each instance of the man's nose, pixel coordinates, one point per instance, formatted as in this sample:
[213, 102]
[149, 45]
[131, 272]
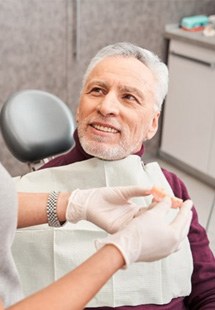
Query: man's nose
[109, 105]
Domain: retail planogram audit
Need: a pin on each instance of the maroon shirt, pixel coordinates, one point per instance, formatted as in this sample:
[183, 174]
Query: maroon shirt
[202, 296]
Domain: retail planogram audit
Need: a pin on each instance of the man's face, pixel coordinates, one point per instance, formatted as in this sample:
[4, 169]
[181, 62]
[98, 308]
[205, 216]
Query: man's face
[117, 108]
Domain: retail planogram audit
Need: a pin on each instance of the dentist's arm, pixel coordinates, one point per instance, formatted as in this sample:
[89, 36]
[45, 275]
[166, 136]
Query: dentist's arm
[91, 205]
[75, 290]
[32, 208]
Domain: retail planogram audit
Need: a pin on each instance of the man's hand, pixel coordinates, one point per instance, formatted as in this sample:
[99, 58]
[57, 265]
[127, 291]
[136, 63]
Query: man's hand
[149, 237]
[110, 208]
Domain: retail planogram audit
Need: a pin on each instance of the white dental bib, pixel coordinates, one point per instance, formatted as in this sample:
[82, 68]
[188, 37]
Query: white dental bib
[43, 254]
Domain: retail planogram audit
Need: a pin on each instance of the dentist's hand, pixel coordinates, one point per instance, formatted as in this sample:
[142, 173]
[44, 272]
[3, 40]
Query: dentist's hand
[110, 208]
[149, 237]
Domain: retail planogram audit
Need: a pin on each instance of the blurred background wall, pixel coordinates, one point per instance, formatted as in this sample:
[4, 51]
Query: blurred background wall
[47, 44]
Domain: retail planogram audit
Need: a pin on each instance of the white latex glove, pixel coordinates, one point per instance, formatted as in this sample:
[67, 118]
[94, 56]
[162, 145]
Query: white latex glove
[107, 207]
[149, 237]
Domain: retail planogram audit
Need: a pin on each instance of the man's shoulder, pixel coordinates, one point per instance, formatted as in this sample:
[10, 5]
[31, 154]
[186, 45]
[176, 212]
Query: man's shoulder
[170, 176]
[176, 184]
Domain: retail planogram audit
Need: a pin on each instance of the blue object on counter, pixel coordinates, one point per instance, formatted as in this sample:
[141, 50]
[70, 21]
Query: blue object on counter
[194, 21]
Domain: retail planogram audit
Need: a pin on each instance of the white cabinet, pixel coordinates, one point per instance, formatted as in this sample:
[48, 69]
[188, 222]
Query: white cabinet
[188, 133]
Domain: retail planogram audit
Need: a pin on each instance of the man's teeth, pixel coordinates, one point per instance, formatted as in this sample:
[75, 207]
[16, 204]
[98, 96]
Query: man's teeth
[104, 128]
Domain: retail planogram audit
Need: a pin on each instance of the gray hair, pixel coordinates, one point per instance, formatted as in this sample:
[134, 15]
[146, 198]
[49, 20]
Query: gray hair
[152, 61]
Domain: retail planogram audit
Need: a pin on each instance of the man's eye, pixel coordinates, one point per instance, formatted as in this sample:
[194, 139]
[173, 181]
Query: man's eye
[96, 90]
[130, 97]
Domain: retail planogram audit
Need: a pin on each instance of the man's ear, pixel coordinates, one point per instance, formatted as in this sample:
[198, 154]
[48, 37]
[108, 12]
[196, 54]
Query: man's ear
[153, 127]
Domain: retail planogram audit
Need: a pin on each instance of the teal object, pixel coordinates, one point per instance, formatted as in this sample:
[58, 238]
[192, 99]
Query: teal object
[194, 21]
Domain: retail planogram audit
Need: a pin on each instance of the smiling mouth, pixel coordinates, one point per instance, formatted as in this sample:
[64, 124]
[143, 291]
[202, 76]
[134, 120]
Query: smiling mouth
[104, 128]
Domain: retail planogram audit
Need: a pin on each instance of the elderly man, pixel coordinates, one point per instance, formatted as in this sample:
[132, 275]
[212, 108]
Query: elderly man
[120, 103]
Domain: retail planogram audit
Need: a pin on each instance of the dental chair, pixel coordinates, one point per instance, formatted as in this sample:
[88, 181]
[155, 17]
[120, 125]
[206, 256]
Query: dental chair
[36, 125]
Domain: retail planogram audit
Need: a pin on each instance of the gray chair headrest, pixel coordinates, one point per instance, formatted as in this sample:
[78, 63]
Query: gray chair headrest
[36, 124]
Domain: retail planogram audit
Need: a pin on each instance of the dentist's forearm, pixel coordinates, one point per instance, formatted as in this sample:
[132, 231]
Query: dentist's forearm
[78, 287]
[32, 208]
